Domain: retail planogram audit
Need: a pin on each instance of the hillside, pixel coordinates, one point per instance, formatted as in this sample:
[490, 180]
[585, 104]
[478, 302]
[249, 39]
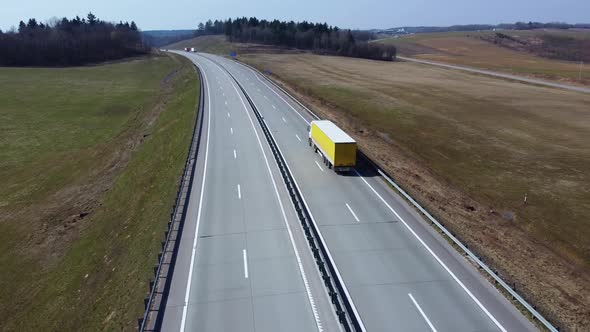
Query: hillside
[215, 44]
[218, 44]
[89, 161]
[485, 50]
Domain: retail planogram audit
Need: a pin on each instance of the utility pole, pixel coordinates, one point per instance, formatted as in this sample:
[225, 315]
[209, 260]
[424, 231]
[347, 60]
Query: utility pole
[580, 73]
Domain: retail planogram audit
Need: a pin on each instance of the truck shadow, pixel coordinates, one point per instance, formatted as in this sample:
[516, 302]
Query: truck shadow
[364, 167]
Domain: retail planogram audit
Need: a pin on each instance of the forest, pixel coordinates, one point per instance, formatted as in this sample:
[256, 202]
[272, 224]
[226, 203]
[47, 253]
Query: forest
[67, 42]
[317, 37]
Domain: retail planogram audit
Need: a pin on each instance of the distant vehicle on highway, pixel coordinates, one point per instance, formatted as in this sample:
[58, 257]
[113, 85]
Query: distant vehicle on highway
[336, 147]
[193, 49]
[187, 49]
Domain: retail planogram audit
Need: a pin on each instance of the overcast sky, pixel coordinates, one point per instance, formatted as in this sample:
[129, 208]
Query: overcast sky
[363, 14]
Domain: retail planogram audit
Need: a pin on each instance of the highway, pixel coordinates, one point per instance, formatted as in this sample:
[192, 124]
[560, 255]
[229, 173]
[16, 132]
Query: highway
[499, 75]
[244, 264]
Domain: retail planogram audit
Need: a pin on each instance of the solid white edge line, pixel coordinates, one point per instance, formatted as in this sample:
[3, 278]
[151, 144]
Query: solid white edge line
[320, 167]
[239, 192]
[352, 212]
[345, 289]
[276, 93]
[245, 254]
[193, 253]
[422, 313]
[297, 256]
[479, 304]
[298, 137]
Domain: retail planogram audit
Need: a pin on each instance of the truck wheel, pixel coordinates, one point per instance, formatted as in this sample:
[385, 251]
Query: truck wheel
[309, 141]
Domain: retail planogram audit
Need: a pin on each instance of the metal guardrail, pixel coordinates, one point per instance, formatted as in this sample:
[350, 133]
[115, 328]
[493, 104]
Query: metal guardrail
[160, 287]
[535, 314]
[345, 311]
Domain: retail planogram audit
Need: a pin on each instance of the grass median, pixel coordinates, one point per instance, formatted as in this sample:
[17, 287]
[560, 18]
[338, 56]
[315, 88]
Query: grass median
[91, 157]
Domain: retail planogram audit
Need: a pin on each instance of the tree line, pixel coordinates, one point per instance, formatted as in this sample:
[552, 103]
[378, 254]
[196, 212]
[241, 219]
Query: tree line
[318, 37]
[68, 42]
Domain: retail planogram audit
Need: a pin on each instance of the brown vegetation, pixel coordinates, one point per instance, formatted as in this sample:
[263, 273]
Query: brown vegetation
[470, 148]
[478, 50]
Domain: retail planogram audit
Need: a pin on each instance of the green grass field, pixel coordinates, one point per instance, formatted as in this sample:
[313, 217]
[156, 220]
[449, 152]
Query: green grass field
[109, 140]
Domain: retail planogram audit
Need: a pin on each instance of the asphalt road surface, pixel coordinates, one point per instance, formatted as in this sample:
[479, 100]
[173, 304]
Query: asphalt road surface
[244, 264]
[500, 75]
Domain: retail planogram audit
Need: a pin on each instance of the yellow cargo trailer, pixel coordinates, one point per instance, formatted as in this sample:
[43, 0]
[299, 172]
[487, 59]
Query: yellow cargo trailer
[337, 148]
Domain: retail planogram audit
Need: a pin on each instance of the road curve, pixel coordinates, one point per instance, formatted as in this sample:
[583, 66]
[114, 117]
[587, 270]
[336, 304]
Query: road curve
[243, 262]
[500, 75]
[401, 275]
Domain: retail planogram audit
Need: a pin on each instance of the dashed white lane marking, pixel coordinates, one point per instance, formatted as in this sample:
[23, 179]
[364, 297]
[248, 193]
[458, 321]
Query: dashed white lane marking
[231, 131]
[320, 167]
[285, 121]
[422, 313]
[265, 97]
[229, 116]
[235, 154]
[352, 212]
[298, 137]
[299, 263]
[479, 304]
[245, 254]
[283, 99]
[226, 103]
[239, 192]
[274, 107]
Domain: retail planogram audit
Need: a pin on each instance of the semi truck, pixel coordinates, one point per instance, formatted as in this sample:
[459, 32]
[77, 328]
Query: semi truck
[338, 150]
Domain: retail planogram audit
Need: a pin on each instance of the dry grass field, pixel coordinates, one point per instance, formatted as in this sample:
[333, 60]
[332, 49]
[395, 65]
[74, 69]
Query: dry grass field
[471, 148]
[469, 49]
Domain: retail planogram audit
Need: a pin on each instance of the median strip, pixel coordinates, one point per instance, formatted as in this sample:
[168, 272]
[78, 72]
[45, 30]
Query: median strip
[345, 310]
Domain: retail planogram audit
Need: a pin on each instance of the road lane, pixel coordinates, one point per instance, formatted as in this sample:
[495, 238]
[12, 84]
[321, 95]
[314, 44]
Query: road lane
[389, 253]
[247, 271]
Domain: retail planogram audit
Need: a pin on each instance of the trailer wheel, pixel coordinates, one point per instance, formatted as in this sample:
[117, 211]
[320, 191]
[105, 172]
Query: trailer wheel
[309, 141]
